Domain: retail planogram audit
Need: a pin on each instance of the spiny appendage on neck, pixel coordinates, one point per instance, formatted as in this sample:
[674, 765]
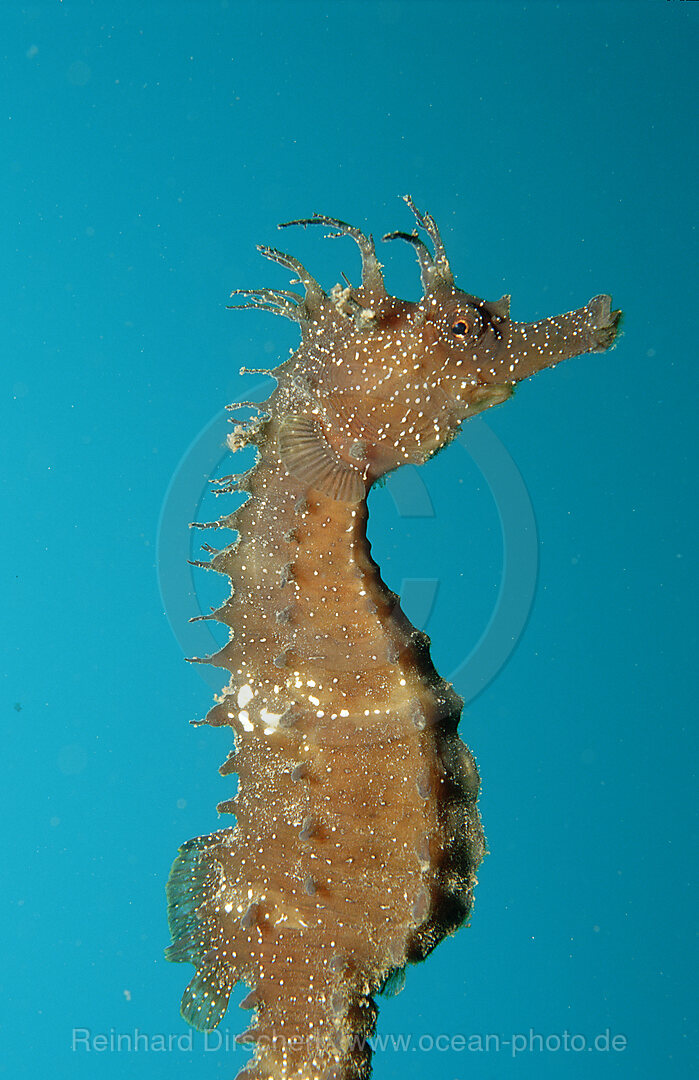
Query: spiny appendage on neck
[357, 836]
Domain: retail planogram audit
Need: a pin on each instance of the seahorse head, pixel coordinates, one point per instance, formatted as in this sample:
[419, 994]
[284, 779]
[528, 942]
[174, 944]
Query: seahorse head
[379, 382]
[404, 380]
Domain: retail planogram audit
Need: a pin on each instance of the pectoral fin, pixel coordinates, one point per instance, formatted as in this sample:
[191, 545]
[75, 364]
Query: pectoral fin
[309, 457]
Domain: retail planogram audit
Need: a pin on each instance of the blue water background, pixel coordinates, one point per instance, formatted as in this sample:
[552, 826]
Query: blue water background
[147, 149]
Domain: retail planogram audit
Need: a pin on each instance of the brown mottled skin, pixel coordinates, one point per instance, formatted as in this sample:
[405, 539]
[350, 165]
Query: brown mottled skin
[357, 835]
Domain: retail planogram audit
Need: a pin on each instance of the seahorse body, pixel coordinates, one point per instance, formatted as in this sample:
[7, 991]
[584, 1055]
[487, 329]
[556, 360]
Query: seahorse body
[357, 835]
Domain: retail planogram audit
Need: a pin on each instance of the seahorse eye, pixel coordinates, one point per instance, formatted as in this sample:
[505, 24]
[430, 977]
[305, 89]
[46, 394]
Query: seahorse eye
[460, 328]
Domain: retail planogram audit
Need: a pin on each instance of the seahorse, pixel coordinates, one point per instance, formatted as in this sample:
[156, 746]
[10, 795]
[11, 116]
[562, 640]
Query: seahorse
[357, 836]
